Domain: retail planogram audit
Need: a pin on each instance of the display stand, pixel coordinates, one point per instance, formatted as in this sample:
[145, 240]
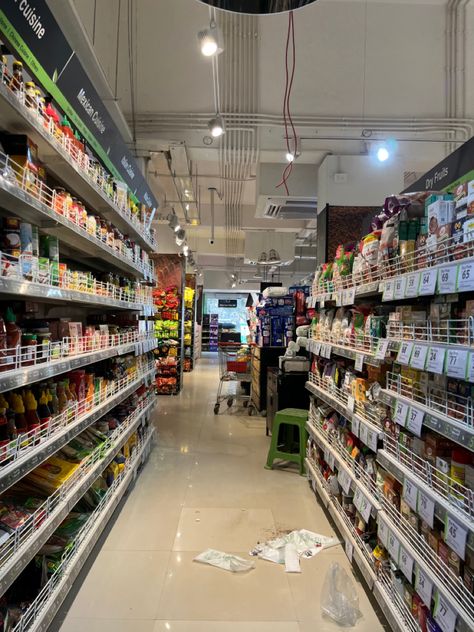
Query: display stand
[190, 297]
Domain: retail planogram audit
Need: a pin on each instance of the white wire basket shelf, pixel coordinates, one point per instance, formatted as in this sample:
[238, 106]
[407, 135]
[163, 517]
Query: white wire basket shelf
[71, 164]
[24, 542]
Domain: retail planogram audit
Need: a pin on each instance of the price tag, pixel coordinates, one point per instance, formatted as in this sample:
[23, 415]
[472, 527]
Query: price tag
[349, 296]
[331, 461]
[363, 434]
[410, 494]
[400, 287]
[322, 302]
[355, 426]
[339, 299]
[470, 368]
[345, 480]
[426, 508]
[428, 280]
[447, 277]
[382, 348]
[317, 348]
[362, 504]
[349, 550]
[393, 547]
[326, 351]
[443, 614]
[465, 277]
[350, 403]
[383, 533]
[372, 440]
[435, 359]
[456, 363]
[413, 281]
[404, 353]
[418, 357]
[388, 290]
[415, 420]
[405, 563]
[359, 362]
[423, 586]
[400, 413]
[455, 536]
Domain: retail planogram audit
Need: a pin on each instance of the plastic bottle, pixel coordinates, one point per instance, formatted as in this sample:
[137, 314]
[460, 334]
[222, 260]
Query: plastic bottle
[31, 408]
[53, 398]
[44, 412]
[3, 345]
[17, 83]
[4, 434]
[20, 418]
[459, 459]
[89, 390]
[13, 336]
[62, 399]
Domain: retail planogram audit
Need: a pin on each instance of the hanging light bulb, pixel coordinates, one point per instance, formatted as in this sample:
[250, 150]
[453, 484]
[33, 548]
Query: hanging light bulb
[185, 250]
[208, 40]
[180, 236]
[290, 156]
[216, 126]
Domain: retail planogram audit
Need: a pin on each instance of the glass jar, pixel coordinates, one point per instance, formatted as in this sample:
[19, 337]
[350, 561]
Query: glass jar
[30, 95]
[59, 200]
[29, 343]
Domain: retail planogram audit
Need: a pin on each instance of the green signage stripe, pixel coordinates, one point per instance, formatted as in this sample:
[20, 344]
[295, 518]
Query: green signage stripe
[48, 84]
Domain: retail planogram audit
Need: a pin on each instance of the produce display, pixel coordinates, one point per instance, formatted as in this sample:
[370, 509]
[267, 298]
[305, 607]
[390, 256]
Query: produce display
[167, 328]
[189, 316]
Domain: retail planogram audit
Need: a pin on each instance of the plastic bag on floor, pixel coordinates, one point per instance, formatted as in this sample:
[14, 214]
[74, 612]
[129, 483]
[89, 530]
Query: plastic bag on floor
[226, 561]
[339, 598]
[306, 543]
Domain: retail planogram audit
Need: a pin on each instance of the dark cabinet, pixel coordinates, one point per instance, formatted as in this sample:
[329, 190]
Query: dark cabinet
[262, 359]
[285, 390]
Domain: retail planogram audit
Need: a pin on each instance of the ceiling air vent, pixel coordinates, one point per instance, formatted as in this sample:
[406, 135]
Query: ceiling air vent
[297, 208]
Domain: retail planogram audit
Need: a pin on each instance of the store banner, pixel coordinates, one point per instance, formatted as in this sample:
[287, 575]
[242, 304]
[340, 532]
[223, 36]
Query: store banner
[33, 34]
[455, 169]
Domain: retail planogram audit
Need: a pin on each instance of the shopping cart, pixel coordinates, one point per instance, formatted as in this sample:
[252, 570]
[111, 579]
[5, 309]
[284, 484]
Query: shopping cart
[234, 366]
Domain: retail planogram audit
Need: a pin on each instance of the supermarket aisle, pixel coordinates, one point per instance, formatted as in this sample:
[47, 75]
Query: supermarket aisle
[205, 487]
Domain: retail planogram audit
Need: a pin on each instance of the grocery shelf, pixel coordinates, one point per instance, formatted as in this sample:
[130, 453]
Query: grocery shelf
[438, 574]
[38, 209]
[364, 422]
[64, 161]
[394, 608]
[28, 539]
[433, 409]
[365, 354]
[41, 612]
[70, 353]
[30, 449]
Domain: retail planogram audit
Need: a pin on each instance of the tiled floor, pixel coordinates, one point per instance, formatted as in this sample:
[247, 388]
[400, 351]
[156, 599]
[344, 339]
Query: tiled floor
[205, 487]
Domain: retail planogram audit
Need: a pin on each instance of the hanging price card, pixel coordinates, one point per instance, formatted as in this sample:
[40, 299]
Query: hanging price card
[470, 368]
[327, 352]
[359, 362]
[428, 280]
[465, 277]
[349, 296]
[435, 359]
[365, 508]
[400, 287]
[423, 586]
[393, 546]
[349, 550]
[322, 302]
[355, 426]
[404, 353]
[382, 348]
[350, 403]
[331, 461]
[413, 281]
[443, 613]
[418, 357]
[455, 536]
[426, 508]
[339, 299]
[388, 290]
[405, 563]
[447, 277]
[400, 413]
[317, 348]
[383, 533]
[456, 363]
[415, 420]
[410, 494]
[363, 434]
[344, 480]
[372, 440]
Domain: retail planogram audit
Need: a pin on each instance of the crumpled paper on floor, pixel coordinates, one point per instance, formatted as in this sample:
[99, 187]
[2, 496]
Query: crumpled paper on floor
[226, 561]
[290, 548]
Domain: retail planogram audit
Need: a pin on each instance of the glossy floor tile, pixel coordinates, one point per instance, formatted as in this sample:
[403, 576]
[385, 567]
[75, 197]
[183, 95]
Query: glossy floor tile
[205, 486]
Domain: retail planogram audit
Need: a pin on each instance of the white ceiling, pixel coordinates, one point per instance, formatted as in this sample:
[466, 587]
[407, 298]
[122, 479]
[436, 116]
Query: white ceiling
[375, 64]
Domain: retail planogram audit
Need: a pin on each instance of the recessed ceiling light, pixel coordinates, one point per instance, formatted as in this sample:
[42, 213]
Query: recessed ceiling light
[383, 154]
[290, 157]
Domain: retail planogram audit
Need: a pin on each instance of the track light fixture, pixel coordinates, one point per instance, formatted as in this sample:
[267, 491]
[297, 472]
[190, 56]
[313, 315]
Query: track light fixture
[209, 41]
[216, 126]
[185, 250]
[173, 222]
[180, 236]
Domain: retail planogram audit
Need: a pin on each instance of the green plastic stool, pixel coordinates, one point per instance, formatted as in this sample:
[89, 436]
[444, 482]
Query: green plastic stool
[283, 450]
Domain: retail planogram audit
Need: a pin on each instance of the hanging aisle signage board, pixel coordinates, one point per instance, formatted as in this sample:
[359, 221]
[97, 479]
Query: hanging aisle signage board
[37, 39]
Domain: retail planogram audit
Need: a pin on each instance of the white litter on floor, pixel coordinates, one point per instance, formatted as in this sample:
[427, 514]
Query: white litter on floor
[226, 561]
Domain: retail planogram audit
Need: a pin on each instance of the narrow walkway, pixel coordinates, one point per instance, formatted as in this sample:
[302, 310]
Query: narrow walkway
[205, 487]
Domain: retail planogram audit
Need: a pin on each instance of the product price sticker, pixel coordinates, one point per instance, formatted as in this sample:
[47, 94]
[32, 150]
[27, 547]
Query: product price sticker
[362, 504]
[393, 546]
[410, 494]
[364, 434]
[415, 419]
[331, 461]
[388, 290]
[426, 508]
[339, 299]
[359, 362]
[470, 368]
[326, 351]
[428, 280]
[355, 426]
[455, 536]
[404, 353]
[413, 281]
[465, 277]
[435, 359]
[405, 563]
[456, 363]
[443, 613]
[344, 480]
[423, 586]
[400, 413]
[350, 403]
[400, 288]
[349, 548]
[317, 348]
[383, 533]
[348, 296]
[382, 348]
[322, 302]
[418, 357]
[372, 440]
[447, 278]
